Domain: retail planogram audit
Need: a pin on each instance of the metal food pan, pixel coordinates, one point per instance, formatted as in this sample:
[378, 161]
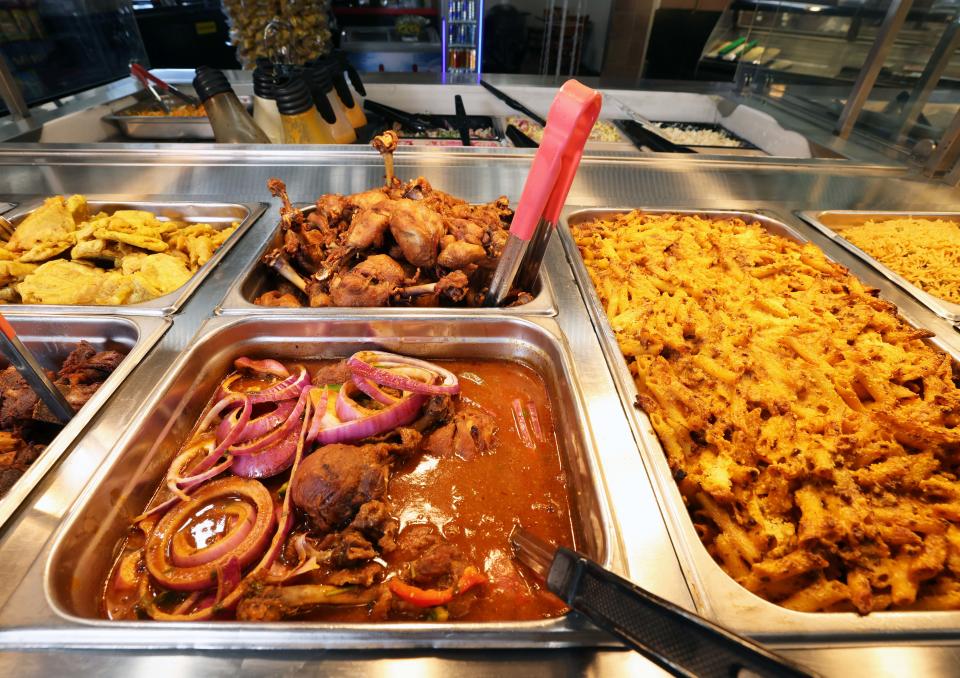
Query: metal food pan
[257, 279]
[6, 207]
[744, 145]
[624, 145]
[51, 340]
[85, 546]
[217, 214]
[717, 595]
[831, 223]
[163, 127]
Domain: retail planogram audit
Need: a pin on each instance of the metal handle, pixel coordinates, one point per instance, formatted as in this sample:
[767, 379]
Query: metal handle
[680, 642]
[23, 361]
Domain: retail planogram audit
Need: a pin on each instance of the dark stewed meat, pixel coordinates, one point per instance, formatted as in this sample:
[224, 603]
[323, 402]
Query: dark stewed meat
[336, 480]
[25, 422]
[331, 373]
[470, 432]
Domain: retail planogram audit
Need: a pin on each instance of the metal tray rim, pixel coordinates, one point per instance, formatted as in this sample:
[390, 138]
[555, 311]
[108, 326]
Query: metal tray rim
[234, 303]
[149, 331]
[167, 304]
[943, 308]
[715, 593]
[571, 628]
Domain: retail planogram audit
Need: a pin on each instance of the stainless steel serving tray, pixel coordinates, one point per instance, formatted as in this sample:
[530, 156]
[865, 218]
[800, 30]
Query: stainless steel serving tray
[624, 145]
[51, 340]
[85, 545]
[717, 595]
[6, 207]
[217, 214]
[257, 278]
[832, 222]
[164, 127]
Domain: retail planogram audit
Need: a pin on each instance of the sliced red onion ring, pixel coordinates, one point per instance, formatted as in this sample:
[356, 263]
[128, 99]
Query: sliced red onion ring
[228, 579]
[318, 401]
[264, 442]
[257, 426]
[267, 366]
[372, 389]
[389, 369]
[521, 423]
[400, 414]
[286, 523]
[271, 461]
[347, 408]
[182, 554]
[157, 548]
[288, 388]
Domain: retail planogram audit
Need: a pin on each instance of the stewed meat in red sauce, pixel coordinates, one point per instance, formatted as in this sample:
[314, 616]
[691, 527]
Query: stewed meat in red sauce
[26, 425]
[409, 524]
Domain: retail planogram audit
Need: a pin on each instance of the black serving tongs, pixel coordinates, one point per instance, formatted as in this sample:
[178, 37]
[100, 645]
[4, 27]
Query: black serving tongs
[678, 641]
[408, 120]
[463, 125]
[513, 103]
[28, 367]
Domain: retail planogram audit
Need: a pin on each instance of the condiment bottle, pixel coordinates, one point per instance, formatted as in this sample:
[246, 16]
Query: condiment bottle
[353, 77]
[352, 105]
[302, 123]
[265, 112]
[229, 118]
[329, 105]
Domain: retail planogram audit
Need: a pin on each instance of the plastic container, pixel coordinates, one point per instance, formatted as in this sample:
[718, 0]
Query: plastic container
[352, 102]
[265, 112]
[329, 105]
[302, 123]
[229, 118]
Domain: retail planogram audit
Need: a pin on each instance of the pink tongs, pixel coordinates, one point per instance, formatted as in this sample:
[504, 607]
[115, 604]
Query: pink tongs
[571, 118]
[152, 82]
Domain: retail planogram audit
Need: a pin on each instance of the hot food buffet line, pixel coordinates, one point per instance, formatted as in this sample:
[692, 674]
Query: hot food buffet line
[69, 560]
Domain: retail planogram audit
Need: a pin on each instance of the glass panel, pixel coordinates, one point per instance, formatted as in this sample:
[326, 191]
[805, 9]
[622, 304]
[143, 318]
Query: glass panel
[58, 47]
[806, 56]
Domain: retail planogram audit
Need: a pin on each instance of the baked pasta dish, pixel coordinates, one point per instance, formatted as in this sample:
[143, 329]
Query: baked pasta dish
[924, 251]
[812, 432]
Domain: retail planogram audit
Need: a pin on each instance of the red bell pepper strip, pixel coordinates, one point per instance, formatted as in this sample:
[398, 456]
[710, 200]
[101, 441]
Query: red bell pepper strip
[433, 597]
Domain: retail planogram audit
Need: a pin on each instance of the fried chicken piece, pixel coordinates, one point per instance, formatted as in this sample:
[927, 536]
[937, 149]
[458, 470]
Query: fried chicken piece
[417, 230]
[368, 228]
[458, 254]
[369, 283]
[278, 299]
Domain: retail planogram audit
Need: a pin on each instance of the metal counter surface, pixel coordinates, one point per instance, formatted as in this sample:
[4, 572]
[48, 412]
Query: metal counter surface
[25, 618]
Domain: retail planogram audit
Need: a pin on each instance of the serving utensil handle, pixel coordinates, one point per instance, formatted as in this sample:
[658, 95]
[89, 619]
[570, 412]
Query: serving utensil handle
[681, 642]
